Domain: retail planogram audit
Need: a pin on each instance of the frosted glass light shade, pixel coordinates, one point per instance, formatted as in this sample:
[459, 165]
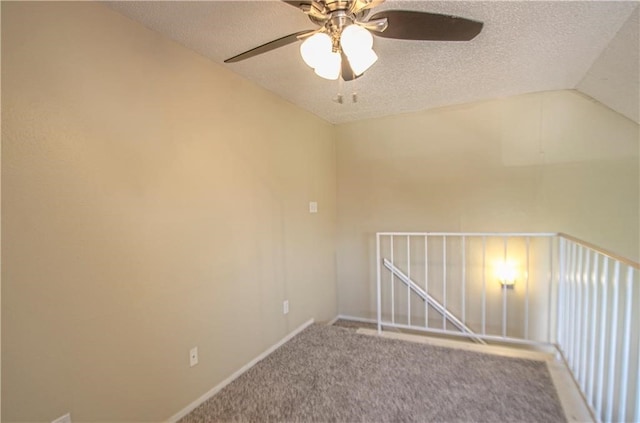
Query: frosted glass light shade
[355, 39]
[314, 49]
[506, 273]
[362, 60]
[329, 66]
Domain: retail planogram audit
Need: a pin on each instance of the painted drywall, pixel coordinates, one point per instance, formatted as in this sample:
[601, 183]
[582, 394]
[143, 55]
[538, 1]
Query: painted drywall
[152, 202]
[544, 162]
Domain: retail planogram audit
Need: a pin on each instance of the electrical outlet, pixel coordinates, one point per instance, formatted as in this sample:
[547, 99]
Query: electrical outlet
[63, 419]
[193, 356]
[313, 207]
[285, 307]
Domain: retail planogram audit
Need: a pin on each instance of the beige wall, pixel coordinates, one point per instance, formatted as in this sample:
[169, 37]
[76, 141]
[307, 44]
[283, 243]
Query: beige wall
[152, 202]
[546, 162]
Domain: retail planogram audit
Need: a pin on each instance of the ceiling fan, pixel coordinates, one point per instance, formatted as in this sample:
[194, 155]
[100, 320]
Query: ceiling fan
[342, 45]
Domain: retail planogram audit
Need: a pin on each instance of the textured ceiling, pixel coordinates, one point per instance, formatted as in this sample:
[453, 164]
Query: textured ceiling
[525, 46]
[614, 78]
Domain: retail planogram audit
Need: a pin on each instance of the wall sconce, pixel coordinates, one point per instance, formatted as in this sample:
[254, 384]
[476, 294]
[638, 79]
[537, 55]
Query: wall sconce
[506, 273]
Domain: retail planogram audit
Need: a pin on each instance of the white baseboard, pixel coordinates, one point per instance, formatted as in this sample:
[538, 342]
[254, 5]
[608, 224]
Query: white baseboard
[189, 408]
[332, 321]
[356, 319]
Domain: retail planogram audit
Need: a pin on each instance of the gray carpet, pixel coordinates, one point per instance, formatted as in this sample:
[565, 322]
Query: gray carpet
[332, 374]
[351, 324]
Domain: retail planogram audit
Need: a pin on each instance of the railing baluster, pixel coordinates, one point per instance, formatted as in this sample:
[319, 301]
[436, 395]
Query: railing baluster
[569, 293]
[464, 279]
[393, 301]
[444, 280]
[614, 338]
[504, 296]
[550, 338]
[572, 308]
[484, 285]
[526, 297]
[567, 298]
[378, 284]
[636, 415]
[409, 276]
[593, 325]
[603, 333]
[626, 346]
[578, 333]
[426, 281]
[585, 318]
[560, 332]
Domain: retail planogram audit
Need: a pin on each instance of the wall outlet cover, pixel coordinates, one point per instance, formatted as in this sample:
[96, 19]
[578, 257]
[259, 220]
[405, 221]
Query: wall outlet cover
[285, 307]
[313, 207]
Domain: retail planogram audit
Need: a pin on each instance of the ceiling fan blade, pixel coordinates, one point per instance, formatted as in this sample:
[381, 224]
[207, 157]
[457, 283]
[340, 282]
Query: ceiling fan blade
[359, 5]
[411, 25]
[378, 25]
[271, 45]
[313, 8]
[346, 72]
[298, 4]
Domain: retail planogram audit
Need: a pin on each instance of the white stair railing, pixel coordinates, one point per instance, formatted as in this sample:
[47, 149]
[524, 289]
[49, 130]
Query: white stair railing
[455, 267]
[569, 294]
[598, 327]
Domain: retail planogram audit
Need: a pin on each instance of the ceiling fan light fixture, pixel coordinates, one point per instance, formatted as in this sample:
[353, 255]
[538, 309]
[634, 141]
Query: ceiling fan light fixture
[362, 60]
[329, 66]
[355, 39]
[315, 49]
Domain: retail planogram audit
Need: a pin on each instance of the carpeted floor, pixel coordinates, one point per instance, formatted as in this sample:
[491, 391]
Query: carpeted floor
[351, 324]
[332, 374]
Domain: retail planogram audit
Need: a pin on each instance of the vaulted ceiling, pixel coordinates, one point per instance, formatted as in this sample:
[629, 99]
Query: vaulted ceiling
[525, 46]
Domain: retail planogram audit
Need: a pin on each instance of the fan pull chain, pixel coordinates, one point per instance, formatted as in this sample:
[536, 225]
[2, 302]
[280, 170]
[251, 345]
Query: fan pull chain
[340, 97]
[354, 94]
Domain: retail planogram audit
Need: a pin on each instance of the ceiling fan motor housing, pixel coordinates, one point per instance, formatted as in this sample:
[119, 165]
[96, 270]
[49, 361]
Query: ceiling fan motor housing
[333, 5]
[323, 12]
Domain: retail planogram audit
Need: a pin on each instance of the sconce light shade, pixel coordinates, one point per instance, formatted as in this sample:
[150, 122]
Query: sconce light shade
[315, 49]
[506, 273]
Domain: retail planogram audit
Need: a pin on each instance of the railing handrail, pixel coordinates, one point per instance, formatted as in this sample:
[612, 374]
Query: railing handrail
[601, 250]
[494, 234]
